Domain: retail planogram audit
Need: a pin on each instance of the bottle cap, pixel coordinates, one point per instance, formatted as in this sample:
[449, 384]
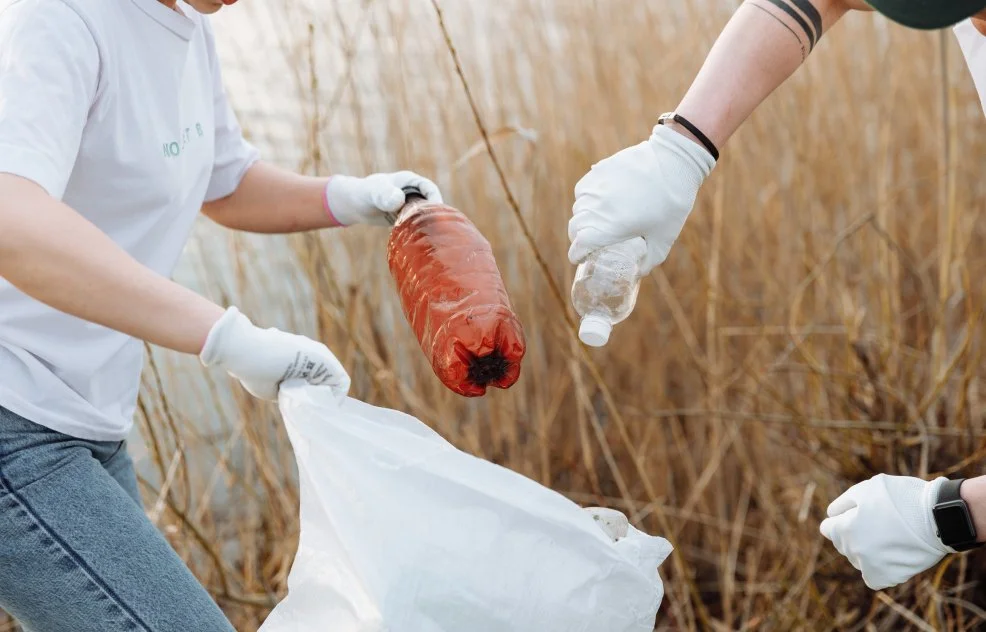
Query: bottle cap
[595, 330]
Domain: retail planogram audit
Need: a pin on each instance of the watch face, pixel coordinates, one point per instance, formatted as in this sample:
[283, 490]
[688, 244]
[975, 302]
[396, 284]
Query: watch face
[954, 524]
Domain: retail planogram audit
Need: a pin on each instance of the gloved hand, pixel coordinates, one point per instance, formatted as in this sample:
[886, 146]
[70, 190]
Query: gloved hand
[647, 190]
[885, 527]
[351, 200]
[263, 358]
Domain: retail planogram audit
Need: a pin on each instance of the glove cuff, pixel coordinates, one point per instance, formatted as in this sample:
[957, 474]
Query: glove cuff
[693, 154]
[339, 200]
[212, 352]
[929, 497]
[328, 207]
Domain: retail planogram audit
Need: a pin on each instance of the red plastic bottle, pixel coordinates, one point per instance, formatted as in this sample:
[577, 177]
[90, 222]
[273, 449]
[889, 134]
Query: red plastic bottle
[453, 297]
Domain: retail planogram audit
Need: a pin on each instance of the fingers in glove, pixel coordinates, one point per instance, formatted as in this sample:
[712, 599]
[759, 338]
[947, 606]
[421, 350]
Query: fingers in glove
[587, 237]
[655, 257]
[332, 374]
[429, 189]
[339, 387]
[828, 529]
[843, 503]
[838, 531]
[411, 179]
[585, 184]
[338, 380]
[584, 213]
[878, 582]
[388, 199]
[579, 250]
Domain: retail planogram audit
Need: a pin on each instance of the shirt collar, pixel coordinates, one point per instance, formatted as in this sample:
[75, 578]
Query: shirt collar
[180, 25]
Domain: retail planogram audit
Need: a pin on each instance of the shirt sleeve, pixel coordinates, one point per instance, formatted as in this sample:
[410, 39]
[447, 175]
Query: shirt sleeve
[234, 155]
[49, 76]
[973, 45]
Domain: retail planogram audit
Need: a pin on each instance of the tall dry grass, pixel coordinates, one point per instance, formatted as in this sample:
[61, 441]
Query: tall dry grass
[819, 321]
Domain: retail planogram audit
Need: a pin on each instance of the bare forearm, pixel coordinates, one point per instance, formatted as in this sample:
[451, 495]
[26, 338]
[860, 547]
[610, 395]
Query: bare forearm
[272, 200]
[763, 44]
[973, 492]
[51, 253]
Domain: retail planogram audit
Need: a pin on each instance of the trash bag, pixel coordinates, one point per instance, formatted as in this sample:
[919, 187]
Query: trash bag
[454, 298]
[402, 532]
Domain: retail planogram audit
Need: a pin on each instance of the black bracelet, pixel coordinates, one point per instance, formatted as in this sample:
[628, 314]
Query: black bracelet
[677, 118]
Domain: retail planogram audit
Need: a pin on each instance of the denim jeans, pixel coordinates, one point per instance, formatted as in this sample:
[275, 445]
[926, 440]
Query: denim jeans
[77, 551]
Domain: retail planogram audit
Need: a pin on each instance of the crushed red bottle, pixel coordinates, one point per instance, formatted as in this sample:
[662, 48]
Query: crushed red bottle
[453, 297]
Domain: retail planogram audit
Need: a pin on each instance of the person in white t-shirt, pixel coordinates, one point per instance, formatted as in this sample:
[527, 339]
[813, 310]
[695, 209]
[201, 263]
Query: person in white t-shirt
[889, 527]
[115, 133]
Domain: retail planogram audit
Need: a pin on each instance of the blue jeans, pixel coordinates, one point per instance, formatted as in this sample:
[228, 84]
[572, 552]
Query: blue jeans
[77, 551]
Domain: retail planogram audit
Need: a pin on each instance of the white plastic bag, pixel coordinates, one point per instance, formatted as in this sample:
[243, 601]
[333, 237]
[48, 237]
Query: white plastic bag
[402, 532]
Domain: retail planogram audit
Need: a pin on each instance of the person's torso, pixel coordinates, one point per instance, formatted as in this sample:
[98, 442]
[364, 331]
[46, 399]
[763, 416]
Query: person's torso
[973, 46]
[141, 174]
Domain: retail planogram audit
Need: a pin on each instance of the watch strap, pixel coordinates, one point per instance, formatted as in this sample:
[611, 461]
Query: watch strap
[949, 491]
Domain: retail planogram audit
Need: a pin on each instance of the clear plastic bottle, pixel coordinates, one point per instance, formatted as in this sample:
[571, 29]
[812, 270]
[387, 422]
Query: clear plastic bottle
[606, 287]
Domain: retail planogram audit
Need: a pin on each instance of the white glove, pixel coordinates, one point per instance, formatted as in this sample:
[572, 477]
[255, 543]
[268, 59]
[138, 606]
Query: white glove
[647, 190]
[350, 200]
[613, 523]
[261, 359]
[884, 526]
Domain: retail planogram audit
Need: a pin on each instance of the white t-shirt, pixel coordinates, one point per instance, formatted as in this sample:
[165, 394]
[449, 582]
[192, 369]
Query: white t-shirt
[973, 45]
[115, 107]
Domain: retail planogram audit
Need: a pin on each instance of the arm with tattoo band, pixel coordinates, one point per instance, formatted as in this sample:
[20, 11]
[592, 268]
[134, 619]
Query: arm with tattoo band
[648, 190]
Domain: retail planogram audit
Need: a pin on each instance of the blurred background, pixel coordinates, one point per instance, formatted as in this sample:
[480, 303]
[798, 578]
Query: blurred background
[819, 321]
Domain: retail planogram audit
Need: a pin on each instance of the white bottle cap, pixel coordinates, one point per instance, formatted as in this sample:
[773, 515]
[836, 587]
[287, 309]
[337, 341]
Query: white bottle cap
[595, 330]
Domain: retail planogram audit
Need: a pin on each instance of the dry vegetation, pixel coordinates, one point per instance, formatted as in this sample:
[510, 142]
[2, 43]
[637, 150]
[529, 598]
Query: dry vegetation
[820, 320]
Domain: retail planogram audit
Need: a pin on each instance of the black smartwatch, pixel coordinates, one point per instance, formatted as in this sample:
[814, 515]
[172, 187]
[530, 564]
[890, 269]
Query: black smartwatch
[952, 518]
